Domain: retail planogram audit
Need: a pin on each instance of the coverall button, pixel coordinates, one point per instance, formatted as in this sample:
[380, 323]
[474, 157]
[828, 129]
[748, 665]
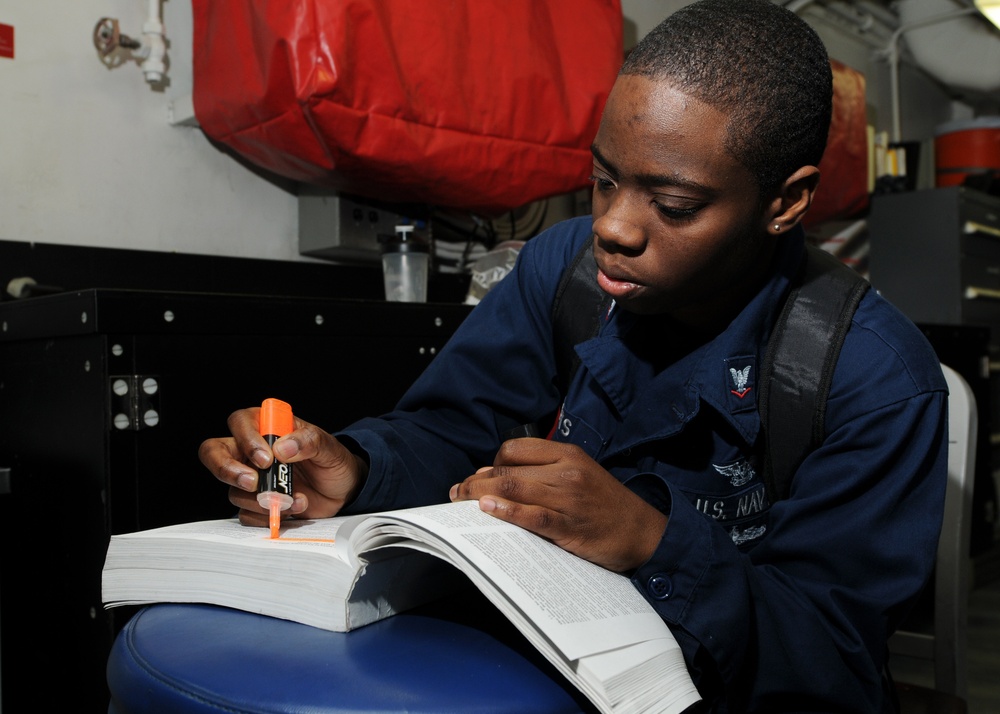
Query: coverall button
[660, 586]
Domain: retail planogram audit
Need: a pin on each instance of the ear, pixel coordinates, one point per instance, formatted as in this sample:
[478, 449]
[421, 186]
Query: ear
[792, 200]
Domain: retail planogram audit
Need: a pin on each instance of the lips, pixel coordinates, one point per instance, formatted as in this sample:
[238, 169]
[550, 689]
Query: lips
[617, 285]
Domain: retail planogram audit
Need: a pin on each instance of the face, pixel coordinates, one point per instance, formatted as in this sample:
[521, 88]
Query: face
[678, 228]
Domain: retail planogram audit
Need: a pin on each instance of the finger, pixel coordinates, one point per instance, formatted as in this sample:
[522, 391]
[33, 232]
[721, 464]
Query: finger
[464, 491]
[527, 451]
[244, 425]
[514, 483]
[300, 502]
[481, 472]
[244, 500]
[537, 519]
[220, 457]
[252, 518]
[310, 443]
[532, 450]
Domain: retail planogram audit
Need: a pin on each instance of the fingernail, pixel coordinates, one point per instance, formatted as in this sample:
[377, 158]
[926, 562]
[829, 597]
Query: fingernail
[260, 458]
[487, 504]
[247, 481]
[453, 492]
[285, 449]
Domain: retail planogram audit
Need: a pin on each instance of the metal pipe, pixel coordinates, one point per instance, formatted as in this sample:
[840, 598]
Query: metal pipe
[893, 53]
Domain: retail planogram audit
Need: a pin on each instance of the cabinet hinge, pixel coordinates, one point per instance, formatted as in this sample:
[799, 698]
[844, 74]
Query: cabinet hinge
[134, 401]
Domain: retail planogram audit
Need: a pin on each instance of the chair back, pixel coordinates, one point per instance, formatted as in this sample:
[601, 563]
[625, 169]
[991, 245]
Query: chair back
[945, 646]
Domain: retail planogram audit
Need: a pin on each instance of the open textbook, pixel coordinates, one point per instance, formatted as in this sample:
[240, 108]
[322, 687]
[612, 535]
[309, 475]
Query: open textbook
[345, 572]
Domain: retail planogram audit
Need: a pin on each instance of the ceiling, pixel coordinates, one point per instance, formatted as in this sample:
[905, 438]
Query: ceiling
[948, 39]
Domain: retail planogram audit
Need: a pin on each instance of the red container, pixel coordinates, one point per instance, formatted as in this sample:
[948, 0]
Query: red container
[965, 148]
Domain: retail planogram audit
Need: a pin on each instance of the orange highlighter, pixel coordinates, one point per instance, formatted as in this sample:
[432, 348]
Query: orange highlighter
[274, 484]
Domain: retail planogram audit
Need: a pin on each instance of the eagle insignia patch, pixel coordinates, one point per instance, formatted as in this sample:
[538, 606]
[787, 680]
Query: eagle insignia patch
[740, 381]
[740, 378]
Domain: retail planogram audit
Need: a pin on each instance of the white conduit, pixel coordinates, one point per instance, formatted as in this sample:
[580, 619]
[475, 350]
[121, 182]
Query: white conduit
[154, 47]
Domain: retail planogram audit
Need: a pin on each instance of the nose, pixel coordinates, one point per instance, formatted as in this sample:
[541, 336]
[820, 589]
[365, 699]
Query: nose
[616, 226]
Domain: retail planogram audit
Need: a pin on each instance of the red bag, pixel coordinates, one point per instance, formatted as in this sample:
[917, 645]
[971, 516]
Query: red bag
[843, 171]
[483, 105]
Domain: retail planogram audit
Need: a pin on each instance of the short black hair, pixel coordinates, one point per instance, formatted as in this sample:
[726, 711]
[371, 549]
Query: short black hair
[756, 61]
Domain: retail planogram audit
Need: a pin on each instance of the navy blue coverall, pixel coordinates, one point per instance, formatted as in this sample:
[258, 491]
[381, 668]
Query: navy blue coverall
[779, 607]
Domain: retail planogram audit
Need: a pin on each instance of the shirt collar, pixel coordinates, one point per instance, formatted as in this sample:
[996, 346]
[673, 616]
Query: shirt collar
[722, 373]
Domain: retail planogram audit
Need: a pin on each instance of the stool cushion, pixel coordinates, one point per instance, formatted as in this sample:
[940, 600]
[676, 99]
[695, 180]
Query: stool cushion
[174, 658]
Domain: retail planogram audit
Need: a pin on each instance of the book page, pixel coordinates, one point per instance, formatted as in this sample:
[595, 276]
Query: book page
[296, 535]
[581, 607]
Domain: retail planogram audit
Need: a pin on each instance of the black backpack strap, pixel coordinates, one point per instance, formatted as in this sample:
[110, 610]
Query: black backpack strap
[577, 313]
[799, 363]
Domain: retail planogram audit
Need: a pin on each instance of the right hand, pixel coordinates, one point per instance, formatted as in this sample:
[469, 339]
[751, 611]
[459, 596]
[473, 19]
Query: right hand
[326, 474]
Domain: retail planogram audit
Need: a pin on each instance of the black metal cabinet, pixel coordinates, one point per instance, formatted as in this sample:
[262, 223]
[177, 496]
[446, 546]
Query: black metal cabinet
[105, 396]
[935, 254]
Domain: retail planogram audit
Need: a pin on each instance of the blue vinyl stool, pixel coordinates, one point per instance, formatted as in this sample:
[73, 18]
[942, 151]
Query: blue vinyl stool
[174, 659]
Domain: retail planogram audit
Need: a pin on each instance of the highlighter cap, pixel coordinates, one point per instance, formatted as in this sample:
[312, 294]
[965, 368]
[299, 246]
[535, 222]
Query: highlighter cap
[275, 418]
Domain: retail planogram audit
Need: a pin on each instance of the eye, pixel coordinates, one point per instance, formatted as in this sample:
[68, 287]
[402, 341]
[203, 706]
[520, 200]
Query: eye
[676, 214]
[601, 183]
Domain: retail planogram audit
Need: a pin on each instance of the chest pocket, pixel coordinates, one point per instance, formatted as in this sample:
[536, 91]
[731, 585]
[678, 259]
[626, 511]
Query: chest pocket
[726, 489]
[742, 510]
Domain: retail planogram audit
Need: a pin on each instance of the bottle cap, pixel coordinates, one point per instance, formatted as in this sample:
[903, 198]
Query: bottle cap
[404, 241]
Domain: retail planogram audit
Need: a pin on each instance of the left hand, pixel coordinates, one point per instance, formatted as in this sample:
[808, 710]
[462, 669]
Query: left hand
[558, 492]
